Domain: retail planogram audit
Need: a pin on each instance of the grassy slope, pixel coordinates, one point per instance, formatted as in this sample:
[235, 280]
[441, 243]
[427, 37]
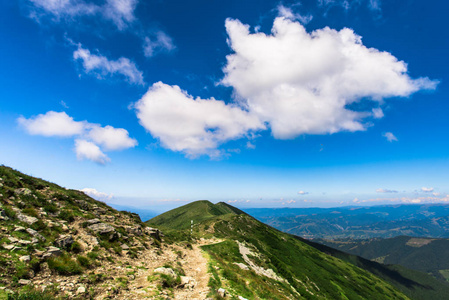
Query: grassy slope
[307, 271]
[198, 211]
[416, 285]
[429, 258]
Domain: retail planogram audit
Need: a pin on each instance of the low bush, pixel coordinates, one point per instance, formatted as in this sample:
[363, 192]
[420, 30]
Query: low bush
[65, 265]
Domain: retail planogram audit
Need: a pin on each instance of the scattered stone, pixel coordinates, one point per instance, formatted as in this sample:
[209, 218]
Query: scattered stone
[241, 298]
[64, 241]
[102, 228]
[24, 281]
[109, 218]
[24, 242]
[221, 292]
[13, 239]
[124, 247]
[35, 234]
[188, 282]
[93, 221]
[166, 271]
[25, 258]
[52, 251]
[154, 233]
[242, 266]
[81, 290]
[25, 218]
[8, 247]
[23, 191]
[19, 228]
[137, 230]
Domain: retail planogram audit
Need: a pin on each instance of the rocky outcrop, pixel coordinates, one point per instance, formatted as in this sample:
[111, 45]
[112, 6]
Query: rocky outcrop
[102, 228]
[64, 241]
[165, 271]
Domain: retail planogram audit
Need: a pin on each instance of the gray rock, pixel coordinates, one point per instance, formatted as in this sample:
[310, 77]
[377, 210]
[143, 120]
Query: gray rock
[166, 271]
[23, 191]
[25, 258]
[19, 228]
[13, 239]
[221, 292]
[64, 241]
[102, 228]
[154, 232]
[188, 282]
[24, 242]
[93, 221]
[241, 298]
[124, 247]
[24, 218]
[137, 230]
[35, 234]
[24, 281]
[81, 290]
[52, 251]
[8, 247]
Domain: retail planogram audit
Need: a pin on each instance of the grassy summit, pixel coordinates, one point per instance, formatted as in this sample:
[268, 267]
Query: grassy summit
[198, 211]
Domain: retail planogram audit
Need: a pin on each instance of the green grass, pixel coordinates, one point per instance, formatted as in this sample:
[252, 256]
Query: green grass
[65, 265]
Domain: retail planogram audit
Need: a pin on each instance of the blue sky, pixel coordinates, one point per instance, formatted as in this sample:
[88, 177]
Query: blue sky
[258, 103]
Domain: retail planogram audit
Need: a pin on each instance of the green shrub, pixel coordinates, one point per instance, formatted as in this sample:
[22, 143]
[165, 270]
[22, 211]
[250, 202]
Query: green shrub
[31, 295]
[10, 213]
[75, 247]
[169, 281]
[84, 261]
[65, 265]
[67, 215]
[93, 255]
[31, 212]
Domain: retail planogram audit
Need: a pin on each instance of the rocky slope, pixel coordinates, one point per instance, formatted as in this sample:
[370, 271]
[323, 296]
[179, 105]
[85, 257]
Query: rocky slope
[56, 242]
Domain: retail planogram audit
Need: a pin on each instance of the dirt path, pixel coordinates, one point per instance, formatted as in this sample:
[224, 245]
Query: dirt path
[193, 262]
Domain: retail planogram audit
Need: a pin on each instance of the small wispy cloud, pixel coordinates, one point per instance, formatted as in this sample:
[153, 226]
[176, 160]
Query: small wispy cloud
[385, 191]
[96, 194]
[120, 12]
[101, 66]
[303, 193]
[427, 189]
[287, 12]
[390, 137]
[156, 43]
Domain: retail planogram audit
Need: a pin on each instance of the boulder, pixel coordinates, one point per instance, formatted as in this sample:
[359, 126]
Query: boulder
[136, 230]
[81, 290]
[124, 247]
[24, 218]
[188, 282]
[102, 228]
[93, 221]
[52, 251]
[25, 258]
[35, 234]
[64, 241]
[166, 271]
[24, 281]
[221, 292]
[154, 233]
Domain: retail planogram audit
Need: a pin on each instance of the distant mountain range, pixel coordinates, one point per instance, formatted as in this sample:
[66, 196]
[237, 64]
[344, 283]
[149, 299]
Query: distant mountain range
[428, 255]
[425, 220]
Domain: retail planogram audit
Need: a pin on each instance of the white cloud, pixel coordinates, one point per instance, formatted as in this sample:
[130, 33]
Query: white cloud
[390, 137]
[290, 81]
[436, 194]
[88, 135]
[287, 13]
[378, 113]
[88, 150]
[120, 12]
[427, 189]
[101, 66]
[193, 126]
[302, 83]
[303, 193]
[111, 138]
[373, 5]
[386, 191]
[96, 194]
[52, 124]
[159, 42]
[250, 145]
